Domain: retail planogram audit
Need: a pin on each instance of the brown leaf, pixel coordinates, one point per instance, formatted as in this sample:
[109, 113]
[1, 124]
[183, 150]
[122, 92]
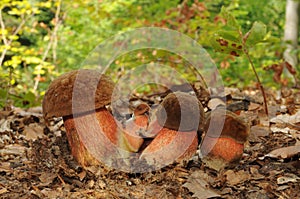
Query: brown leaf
[13, 149]
[288, 177]
[234, 178]
[286, 118]
[47, 178]
[198, 183]
[3, 190]
[285, 152]
[5, 126]
[33, 131]
[256, 132]
[289, 67]
[213, 103]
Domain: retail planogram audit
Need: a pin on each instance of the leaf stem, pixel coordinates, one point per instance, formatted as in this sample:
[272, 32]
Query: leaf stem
[257, 78]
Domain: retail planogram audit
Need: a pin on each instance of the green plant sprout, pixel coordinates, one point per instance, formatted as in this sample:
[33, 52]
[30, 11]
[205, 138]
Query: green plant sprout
[231, 40]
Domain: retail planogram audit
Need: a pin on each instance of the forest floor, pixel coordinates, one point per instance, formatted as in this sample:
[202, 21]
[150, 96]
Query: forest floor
[36, 161]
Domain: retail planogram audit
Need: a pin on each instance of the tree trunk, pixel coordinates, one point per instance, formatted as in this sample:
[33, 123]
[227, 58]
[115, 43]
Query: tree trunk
[291, 32]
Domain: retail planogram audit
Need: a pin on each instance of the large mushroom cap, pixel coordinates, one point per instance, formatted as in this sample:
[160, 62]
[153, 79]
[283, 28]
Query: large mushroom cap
[234, 127]
[78, 91]
[181, 112]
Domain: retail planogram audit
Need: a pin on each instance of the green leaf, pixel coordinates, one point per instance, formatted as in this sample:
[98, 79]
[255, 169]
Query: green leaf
[227, 42]
[256, 34]
[230, 19]
[229, 35]
[29, 97]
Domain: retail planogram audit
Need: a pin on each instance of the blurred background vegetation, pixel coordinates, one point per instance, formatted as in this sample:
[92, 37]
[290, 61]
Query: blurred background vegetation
[41, 39]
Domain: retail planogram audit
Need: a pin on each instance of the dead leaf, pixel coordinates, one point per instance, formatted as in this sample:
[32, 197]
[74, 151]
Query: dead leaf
[33, 131]
[234, 178]
[13, 149]
[256, 132]
[213, 103]
[198, 184]
[82, 175]
[213, 163]
[47, 178]
[286, 118]
[285, 152]
[288, 177]
[51, 193]
[5, 167]
[3, 190]
[285, 130]
[4, 126]
[254, 106]
[255, 174]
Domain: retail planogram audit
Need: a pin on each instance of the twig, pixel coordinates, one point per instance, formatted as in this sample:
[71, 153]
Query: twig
[8, 42]
[52, 43]
[245, 50]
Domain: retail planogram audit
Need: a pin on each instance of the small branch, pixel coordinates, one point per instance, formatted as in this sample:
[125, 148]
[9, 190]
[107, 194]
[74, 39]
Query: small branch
[258, 81]
[52, 43]
[3, 29]
[254, 70]
[8, 42]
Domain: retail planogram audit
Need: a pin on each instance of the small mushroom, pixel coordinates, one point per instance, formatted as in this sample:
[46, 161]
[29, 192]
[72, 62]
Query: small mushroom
[135, 127]
[223, 143]
[80, 97]
[180, 115]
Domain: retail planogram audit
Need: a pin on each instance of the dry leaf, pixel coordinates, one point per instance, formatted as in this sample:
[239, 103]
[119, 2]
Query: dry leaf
[255, 174]
[47, 178]
[33, 131]
[258, 131]
[254, 106]
[234, 178]
[51, 193]
[5, 126]
[213, 163]
[286, 118]
[12, 150]
[3, 190]
[275, 129]
[289, 177]
[213, 103]
[285, 152]
[198, 184]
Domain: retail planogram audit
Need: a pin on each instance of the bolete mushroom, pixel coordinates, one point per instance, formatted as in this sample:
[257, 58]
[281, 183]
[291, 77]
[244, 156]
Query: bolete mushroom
[222, 148]
[135, 127]
[180, 115]
[80, 97]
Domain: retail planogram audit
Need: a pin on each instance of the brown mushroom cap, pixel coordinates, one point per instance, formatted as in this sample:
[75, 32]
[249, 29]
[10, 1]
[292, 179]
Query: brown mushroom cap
[179, 106]
[234, 127]
[141, 109]
[92, 90]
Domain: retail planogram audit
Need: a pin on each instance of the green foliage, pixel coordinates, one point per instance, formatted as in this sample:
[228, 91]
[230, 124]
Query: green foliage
[42, 39]
[22, 63]
[256, 34]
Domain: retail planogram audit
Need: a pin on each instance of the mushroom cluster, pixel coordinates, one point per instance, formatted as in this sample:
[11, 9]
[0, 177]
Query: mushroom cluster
[81, 97]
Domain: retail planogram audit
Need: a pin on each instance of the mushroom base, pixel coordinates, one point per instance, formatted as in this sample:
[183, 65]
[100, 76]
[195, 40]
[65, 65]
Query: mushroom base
[225, 148]
[91, 127]
[169, 146]
[95, 138]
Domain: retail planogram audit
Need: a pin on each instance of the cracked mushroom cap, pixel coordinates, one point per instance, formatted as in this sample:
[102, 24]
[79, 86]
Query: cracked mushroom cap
[181, 112]
[78, 91]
